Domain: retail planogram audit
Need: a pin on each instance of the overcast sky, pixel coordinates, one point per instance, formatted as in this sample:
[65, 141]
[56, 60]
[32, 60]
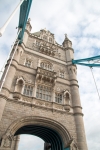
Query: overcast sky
[80, 19]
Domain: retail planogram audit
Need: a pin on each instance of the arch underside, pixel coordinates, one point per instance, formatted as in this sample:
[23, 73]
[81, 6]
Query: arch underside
[47, 129]
[45, 133]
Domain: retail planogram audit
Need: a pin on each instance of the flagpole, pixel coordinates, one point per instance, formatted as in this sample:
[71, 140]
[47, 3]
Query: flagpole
[9, 19]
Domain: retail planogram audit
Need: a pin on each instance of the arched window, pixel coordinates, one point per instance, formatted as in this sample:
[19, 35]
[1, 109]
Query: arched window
[19, 85]
[43, 92]
[58, 97]
[46, 66]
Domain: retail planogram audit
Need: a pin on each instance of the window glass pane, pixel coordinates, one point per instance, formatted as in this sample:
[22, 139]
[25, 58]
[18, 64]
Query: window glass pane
[46, 97]
[40, 90]
[49, 93]
[58, 98]
[43, 96]
[46, 66]
[44, 92]
[28, 90]
[30, 93]
[24, 91]
[37, 95]
[49, 98]
[40, 95]
[31, 88]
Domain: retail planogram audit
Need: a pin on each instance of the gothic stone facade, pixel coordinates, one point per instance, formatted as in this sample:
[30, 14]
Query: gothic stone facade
[41, 85]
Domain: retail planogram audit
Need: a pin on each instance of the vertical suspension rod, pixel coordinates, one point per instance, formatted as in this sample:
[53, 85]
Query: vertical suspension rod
[95, 83]
[2, 83]
[9, 19]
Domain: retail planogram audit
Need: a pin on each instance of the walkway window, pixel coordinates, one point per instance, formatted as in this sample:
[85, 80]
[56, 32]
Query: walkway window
[28, 63]
[43, 92]
[46, 66]
[28, 90]
[58, 97]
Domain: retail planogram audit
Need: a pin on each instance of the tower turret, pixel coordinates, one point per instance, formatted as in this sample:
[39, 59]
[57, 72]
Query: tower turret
[27, 31]
[67, 44]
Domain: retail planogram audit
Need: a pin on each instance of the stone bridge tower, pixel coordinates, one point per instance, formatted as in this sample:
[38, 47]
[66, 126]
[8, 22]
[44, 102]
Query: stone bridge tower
[40, 95]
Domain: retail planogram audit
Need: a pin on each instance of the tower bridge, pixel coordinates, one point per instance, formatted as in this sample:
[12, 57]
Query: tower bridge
[40, 93]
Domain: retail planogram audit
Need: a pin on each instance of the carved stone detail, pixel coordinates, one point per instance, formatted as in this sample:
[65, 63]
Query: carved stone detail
[46, 50]
[17, 95]
[46, 76]
[40, 103]
[48, 104]
[73, 146]
[27, 100]
[59, 107]
[67, 97]
[7, 143]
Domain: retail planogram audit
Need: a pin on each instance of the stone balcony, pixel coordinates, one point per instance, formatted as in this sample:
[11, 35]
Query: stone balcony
[44, 75]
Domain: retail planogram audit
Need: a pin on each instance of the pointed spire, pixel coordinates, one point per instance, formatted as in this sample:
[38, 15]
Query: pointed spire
[28, 25]
[29, 20]
[65, 35]
[67, 42]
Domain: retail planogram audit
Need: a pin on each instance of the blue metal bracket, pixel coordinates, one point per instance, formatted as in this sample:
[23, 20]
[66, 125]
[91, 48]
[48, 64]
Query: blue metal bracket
[92, 61]
[24, 12]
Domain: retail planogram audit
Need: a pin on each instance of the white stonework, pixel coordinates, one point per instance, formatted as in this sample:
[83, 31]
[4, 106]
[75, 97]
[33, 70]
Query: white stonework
[41, 85]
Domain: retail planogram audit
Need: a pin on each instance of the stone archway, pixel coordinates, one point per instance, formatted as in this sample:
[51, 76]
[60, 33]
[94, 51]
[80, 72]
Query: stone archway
[58, 133]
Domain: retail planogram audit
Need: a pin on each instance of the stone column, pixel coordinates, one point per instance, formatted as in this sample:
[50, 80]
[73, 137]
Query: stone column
[17, 142]
[27, 31]
[34, 91]
[6, 87]
[2, 105]
[76, 104]
[53, 95]
[77, 109]
[18, 53]
[13, 145]
[8, 81]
